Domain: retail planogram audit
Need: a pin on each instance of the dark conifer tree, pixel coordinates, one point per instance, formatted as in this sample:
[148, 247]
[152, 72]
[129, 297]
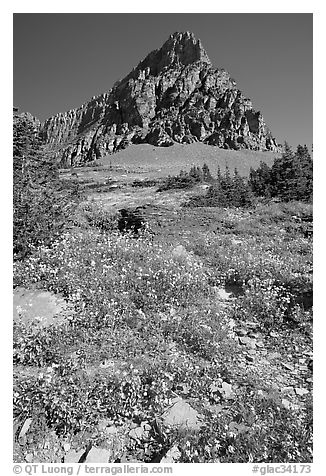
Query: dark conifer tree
[207, 177]
[42, 204]
[283, 175]
[260, 180]
[304, 174]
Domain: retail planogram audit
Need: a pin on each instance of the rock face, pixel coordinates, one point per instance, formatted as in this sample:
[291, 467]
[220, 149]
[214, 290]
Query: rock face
[173, 95]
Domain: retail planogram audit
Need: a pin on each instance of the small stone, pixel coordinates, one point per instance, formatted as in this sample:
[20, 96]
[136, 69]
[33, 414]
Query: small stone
[287, 390]
[73, 456]
[247, 341]
[250, 358]
[301, 391]
[260, 344]
[274, 355]
[29, 457]
[227, 390]
[273, 334]
[172, 455]
[223, 295]
[66, 447]
[287, 366]
[25, 427]
[102, 424]
[98, 455]
[137, 434]
[181, 414]
[286, 403]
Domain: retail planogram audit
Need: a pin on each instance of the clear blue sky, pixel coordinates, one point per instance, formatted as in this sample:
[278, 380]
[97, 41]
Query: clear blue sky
[62, 60]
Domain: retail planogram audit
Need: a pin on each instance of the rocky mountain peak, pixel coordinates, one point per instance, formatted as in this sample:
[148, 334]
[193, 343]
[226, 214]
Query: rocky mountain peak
[181, 49]
[173, 95]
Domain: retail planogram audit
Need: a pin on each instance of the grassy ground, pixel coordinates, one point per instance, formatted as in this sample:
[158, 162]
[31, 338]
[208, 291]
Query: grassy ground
[153, 319]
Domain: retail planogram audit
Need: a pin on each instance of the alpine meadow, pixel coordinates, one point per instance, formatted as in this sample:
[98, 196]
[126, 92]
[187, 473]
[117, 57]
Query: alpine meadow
[163, 291]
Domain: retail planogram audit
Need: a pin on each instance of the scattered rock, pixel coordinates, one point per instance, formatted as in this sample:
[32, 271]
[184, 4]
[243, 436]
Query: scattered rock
[111, 430]
[226, 390]
[250, 358]
[301, 391]
[98, 455]
[66, 447]
[102, 424]
[287, 390]
[172, 455]
[73, 456]
[25, 428]
[181, 414]
[274, 355]
[286, 403]
[248, 342]
[223, 295]
[273, 334]
[287, 366]
[42, 308]
[137, 433]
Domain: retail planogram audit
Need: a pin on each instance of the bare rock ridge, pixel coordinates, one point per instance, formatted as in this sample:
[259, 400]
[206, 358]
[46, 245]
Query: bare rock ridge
[173, 95]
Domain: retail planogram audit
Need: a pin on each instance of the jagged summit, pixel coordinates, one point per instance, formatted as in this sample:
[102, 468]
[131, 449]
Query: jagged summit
[179, 49]
[173, 95]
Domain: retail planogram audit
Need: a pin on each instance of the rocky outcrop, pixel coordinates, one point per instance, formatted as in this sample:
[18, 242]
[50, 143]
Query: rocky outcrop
[173, 95]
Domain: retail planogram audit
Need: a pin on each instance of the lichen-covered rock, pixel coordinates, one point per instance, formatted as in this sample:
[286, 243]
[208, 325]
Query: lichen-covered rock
[173, 95]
